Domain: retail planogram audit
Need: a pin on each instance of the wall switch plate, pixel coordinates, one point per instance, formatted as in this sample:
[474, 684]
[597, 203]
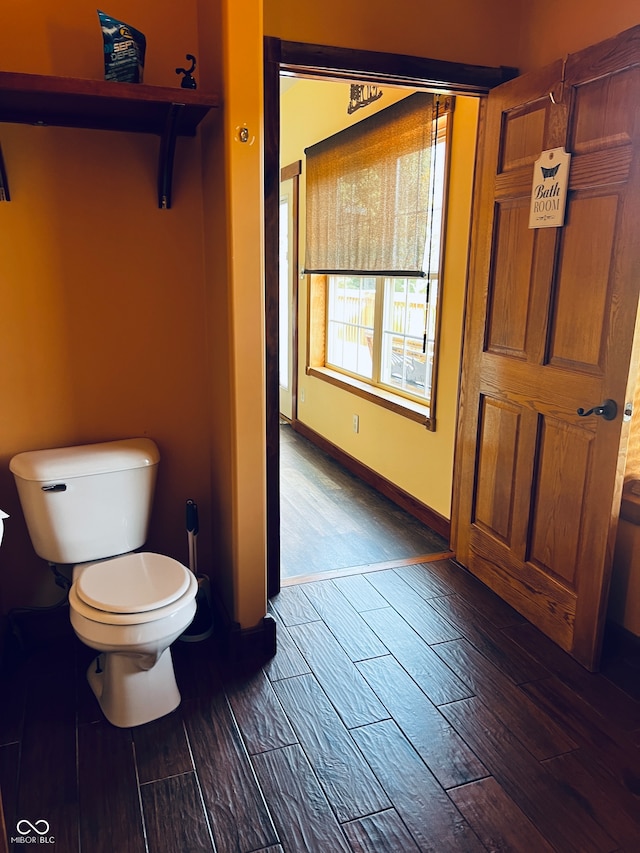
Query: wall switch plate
[302, 395]
[356, 423]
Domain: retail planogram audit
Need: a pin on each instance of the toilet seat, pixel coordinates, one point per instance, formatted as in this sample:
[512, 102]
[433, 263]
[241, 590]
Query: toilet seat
[132, 589]
[132, 583]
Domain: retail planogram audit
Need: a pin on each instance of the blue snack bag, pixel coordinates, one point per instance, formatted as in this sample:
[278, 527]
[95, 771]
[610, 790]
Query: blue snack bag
[124, 49]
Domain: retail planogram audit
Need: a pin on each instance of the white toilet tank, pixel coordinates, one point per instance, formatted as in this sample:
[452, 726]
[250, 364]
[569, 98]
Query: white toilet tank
[88, 502]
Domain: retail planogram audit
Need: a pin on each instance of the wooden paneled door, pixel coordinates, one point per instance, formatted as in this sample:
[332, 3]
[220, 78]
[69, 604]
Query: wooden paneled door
[550, 329]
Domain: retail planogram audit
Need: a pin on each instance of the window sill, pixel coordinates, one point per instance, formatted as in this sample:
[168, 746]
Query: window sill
[400, 405]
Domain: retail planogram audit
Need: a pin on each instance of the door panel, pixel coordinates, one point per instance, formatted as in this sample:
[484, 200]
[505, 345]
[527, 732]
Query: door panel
[563, 459]
[494, 499]
[511, 280]
[550, 329]
[601, 115]
[523, 132]
[580, 319]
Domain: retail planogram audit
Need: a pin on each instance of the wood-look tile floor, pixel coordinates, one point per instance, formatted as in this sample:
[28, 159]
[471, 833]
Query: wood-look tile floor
[330, 519]
[405, 710]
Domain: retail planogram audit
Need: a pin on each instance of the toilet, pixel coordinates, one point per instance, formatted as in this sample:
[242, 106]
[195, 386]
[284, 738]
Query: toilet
[89, 507]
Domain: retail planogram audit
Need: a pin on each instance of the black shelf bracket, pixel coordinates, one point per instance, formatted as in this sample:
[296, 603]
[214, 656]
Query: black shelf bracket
[166, 155]
[4, 182]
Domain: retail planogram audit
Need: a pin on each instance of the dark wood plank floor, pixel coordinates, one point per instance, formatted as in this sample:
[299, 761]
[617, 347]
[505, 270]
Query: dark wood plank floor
[330, 519]
[405, 710]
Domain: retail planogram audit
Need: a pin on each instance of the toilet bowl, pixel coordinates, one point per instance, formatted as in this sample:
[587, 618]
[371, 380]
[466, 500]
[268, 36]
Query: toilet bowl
[130, 609]
[89, 507]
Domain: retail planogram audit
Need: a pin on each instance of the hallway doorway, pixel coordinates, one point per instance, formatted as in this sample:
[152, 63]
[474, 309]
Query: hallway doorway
[293, 58]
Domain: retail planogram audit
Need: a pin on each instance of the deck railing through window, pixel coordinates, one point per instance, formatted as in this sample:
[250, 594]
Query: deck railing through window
[406, 307]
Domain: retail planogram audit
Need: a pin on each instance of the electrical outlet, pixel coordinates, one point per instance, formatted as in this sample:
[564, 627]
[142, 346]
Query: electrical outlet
[356, 423]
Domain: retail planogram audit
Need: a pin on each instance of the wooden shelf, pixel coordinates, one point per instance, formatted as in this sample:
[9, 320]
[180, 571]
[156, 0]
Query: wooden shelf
[100, 105]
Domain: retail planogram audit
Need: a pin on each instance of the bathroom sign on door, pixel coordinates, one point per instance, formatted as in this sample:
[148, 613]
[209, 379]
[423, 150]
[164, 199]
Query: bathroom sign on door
[549, 190]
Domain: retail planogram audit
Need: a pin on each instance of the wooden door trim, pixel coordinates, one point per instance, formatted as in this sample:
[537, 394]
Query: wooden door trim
[272, 285]
[292, 173]
[342, 63]
[375, 66]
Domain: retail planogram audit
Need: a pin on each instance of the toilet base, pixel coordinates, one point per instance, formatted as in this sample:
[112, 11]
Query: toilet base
[133, 689]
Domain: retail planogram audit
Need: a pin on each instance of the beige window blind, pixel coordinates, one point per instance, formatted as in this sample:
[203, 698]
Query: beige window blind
[368, 193]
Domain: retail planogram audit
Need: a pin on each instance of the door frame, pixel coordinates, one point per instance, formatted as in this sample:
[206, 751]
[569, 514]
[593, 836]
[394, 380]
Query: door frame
[333, 63]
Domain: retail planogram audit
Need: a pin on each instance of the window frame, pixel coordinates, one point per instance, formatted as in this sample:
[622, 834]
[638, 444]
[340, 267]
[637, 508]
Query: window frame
[423, 412]
[382, 297]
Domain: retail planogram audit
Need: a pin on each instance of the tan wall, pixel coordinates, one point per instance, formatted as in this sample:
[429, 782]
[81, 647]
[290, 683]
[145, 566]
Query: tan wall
[120, 319]
[65, 39]
[103, 313]
[492, 32]
[172, 346]
[483, 33]
[552, 29]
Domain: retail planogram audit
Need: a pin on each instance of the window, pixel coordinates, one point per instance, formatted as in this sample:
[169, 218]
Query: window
[367, 190]
[376, 331]
[380, 331]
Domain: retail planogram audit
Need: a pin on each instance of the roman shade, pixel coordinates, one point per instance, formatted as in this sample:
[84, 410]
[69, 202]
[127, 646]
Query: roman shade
[368, 193]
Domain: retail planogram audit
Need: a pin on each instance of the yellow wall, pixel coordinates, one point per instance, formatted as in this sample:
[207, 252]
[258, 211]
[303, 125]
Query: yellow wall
[402, 451]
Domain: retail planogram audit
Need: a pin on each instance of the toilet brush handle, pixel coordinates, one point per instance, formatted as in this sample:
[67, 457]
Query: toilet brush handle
[192, 532]
[193, 554]
[192, 517]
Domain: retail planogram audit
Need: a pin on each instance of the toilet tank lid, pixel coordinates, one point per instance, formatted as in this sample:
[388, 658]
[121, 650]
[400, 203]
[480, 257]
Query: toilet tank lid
[85, 460]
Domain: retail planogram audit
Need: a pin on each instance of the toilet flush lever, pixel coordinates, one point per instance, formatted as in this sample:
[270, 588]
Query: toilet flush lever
[55, 487]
